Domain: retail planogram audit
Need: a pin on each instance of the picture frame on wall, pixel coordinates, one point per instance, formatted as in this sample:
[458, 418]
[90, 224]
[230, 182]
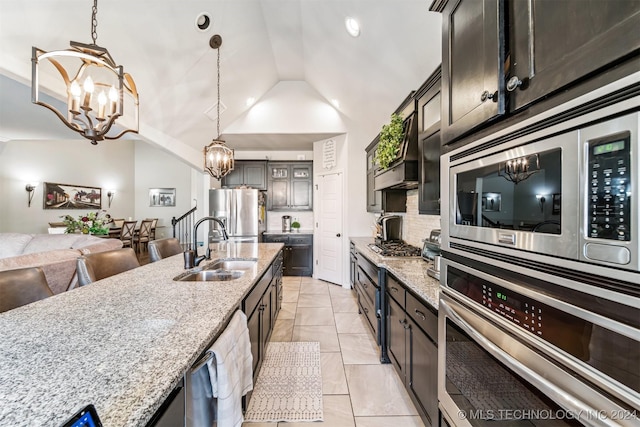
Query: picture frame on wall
[71, 196]
[161, 197]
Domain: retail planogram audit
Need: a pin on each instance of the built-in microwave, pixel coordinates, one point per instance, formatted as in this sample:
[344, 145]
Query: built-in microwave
[565, 195]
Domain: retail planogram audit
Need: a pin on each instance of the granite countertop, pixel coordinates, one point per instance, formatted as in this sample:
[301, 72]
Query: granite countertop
[122, 343]
[302, 231]
[412, 271]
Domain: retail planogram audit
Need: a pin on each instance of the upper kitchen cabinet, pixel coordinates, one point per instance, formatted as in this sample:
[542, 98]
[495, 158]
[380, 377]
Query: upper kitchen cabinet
[290, 186]
[428, 105]
[402, 173]
[250, 173]
[381, 200]
[506, 60]
[555, 43]
[472, 65]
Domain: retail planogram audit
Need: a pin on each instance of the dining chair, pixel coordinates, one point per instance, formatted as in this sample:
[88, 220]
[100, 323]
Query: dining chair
[163, 248]
[100, 265]
[22, 286]
[152, 234]
[117, 222]
[126, 233]
[141, 236]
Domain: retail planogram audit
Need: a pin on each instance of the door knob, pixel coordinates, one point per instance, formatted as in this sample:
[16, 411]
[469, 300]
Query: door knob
[338, 235]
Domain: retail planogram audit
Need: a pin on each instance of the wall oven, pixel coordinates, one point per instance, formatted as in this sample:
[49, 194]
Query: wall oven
[517, 350]
[566, 191]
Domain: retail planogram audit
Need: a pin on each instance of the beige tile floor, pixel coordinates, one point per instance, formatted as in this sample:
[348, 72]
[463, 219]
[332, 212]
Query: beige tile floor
[358, 391]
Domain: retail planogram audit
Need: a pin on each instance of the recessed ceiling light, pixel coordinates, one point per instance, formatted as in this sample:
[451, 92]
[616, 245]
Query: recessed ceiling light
[335, 103]
[353, 27]
[250, 101]
[203, 21]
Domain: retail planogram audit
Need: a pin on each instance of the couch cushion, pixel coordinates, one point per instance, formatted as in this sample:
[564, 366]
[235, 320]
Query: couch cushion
[13, 244]
[51, 242]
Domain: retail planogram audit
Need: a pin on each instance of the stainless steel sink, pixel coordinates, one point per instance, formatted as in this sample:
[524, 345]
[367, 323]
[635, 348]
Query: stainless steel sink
[232, 264]
[221, 270]
[211, 275]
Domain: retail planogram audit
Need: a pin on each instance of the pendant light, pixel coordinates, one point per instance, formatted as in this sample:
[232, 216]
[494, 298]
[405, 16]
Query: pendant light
[218, 158]
[96, 88]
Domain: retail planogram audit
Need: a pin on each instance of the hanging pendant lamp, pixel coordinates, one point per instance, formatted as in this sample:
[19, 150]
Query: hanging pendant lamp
[96, 88]
[218, 158]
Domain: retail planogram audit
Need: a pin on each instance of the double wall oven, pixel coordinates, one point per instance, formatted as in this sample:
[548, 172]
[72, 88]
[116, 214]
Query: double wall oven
[539, 320]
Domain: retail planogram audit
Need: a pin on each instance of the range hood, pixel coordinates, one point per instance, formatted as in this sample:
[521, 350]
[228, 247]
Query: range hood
[402, 173]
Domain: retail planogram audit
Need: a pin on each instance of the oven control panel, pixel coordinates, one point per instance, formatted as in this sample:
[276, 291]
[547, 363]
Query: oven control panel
[609, 208]
[526, 314]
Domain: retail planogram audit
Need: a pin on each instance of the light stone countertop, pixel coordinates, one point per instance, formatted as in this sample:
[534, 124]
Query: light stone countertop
[122, 343]
[412, 271]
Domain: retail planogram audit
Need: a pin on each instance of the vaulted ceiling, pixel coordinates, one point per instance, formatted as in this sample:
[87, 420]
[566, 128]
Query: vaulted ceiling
[265, 42]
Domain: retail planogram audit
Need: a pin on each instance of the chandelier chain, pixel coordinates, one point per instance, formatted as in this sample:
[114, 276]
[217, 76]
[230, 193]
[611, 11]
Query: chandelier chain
[94, 21]
[218, 122]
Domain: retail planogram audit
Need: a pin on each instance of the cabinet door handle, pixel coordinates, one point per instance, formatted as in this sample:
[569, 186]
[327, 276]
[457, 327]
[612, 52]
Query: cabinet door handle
[514, 82]
[338, 235]
[394, 289]
[421, 314]
[366, 310]
[488, 95]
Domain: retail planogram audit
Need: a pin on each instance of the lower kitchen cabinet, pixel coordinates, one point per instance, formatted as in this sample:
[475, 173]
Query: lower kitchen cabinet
[298, 253]
[411, 337]
[261, 308]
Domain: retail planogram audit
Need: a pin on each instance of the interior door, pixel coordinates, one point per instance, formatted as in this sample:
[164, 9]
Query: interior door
[329, 228]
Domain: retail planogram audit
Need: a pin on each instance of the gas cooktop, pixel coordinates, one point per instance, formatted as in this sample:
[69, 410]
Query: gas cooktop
[395, 249]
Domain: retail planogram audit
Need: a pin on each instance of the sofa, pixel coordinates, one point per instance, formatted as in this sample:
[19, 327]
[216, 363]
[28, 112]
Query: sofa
[56, 254]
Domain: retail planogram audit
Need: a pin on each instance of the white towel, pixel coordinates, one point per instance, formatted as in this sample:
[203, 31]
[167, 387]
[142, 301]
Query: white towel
[230, 370]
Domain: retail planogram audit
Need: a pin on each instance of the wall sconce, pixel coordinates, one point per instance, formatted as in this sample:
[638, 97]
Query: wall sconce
[541, 201]
[110, 195]
[30, 189]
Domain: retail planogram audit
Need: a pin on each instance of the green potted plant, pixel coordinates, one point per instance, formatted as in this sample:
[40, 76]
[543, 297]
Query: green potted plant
[389, 142]
[296, 226]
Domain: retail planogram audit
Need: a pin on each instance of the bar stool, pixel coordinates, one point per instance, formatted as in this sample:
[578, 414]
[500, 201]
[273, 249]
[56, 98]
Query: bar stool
[163, 248]
[100, 265]
[22, 286]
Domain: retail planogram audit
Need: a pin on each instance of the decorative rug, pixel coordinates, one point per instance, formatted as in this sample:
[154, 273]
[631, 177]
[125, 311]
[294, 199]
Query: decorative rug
[289, 385]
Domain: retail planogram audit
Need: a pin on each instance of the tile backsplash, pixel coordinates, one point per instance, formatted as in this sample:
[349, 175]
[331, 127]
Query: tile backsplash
[416, 227]
[274, 219]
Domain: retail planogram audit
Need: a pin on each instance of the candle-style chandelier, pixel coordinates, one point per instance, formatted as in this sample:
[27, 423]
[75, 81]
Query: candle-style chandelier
[218, 158]
[518, 169]
[95, 86]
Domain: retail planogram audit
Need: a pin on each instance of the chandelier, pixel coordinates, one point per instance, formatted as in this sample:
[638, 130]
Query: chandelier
[96, 88]
[218, 158]
[518, 169]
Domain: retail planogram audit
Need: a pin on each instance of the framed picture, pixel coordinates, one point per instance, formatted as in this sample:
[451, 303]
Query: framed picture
[67, 196]
[557, 203]
[162, 197]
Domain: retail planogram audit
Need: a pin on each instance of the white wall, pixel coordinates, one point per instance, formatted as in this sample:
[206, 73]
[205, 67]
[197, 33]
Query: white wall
[126, 166]
[108, 165]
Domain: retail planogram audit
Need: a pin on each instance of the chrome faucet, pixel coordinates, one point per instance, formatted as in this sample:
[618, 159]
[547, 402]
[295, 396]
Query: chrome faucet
[198, 259]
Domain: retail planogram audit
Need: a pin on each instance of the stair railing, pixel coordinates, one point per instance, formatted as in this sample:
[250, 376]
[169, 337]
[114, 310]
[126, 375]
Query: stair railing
[183, 226]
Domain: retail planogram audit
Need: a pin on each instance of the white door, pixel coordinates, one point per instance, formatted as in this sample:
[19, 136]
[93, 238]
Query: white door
[329, 263]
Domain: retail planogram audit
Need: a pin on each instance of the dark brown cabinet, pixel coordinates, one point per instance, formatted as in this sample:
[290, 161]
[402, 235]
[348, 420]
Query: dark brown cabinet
[381, 200]
[298, 253]
[368, 294]
[252, 173]
[290, 186]
[555, 43]
[411, 340]
[429, 100]
[472, 64]
[261, 307]
[503, 57]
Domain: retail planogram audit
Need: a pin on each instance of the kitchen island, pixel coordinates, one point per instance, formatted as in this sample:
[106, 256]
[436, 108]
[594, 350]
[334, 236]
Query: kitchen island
[122, 343]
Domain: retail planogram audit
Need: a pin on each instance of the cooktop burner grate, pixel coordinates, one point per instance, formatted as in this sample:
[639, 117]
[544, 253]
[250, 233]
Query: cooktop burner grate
[399, 249]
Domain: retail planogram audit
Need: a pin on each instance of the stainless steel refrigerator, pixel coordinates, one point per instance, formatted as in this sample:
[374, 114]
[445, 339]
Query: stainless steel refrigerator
[242, 212]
